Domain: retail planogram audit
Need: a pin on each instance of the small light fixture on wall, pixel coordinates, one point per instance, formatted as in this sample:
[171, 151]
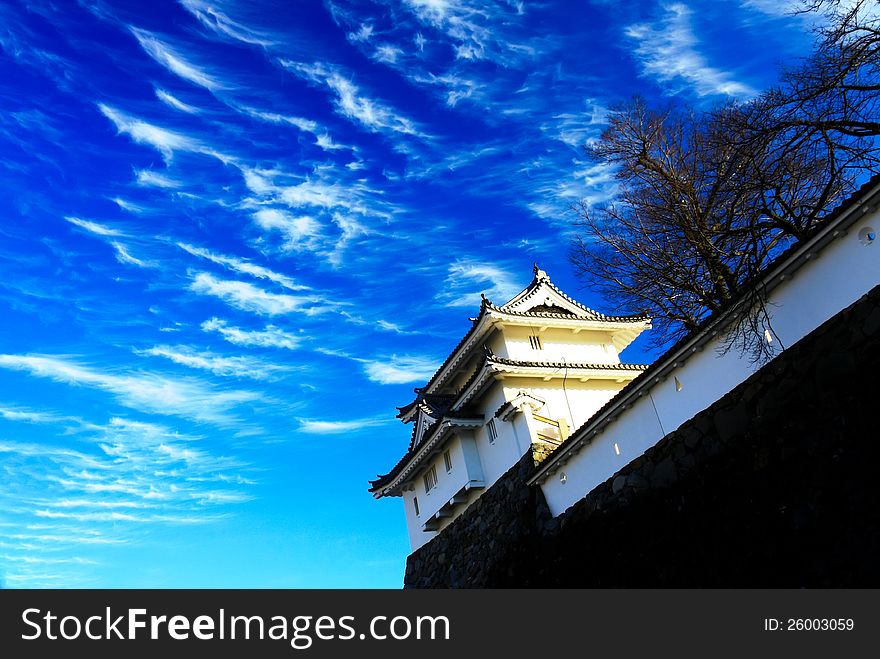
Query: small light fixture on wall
[678, 386]
[616, 449]
[867, 236]
[563, 478]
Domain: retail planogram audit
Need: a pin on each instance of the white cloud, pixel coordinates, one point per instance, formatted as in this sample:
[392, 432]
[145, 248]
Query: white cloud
[176, 103]
[400, 369]
[326, 142]
[387, 53]
[352, 103]
[314, 193]
[319, 427]
[164, 141]
[94, 227]
[124, 475]
[173, 61]
[209, 15]
[223, 365]
[248, 297]
[149, 178]
[576, 129]
[467, 279]
[301, 232]
[668, 52]
[305, 125]
[125, 257]
[351, 229]
[33, 416]
[364, 33]
[270, 337]
[457, 87]
[147, 392]
[246, 267]
[466, 25]
[774, 7]
[350, 206]
[127, 205]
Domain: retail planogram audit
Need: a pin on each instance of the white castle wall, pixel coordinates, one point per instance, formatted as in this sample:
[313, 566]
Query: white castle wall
[829, 282]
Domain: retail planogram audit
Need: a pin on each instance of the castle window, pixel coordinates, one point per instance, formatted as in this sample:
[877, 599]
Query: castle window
[535, 342]
[492, 430]
[416, 505]
[430, 478]
[447, 460]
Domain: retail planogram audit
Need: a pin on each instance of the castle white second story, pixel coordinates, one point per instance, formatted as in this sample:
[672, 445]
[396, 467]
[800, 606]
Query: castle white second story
[527, 371]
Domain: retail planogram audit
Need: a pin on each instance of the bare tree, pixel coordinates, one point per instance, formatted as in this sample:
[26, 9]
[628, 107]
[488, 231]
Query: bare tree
[705, 200]
[835, 90]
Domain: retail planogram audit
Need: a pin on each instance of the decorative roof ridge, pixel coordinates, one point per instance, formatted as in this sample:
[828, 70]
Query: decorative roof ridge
[541, 276]
[598, 366]
[634, 318]
[522, 394]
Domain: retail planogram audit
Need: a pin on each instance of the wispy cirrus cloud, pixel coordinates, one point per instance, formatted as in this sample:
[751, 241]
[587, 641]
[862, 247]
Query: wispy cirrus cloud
[124, 256]
[165, 141]
[300, 232]
[174, 62]
[150, 392]
[124, 476]
[212, 16]
[25, 415]
[320, 133]
[331, 211]
[325, 427]
[399, 369]
[126, 205]
[352, 103]
[247, 297]
[243, 266]
[667, 50]
[466, 280]
[94, 227]
[223, 365]
[150, 178]
[270, 337]
[174, 102]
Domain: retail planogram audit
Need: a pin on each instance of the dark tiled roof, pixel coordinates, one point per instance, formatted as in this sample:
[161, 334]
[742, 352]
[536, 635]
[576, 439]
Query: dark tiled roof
[474, 324]
[660, 362]
[381, 481]
[551, 308]
[433, 404]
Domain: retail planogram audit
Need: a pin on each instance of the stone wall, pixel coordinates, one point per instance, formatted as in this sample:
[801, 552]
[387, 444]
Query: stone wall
[777, 485]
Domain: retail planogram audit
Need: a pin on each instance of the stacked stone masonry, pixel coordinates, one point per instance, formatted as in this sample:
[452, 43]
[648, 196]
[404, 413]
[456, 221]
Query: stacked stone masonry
[777, 484]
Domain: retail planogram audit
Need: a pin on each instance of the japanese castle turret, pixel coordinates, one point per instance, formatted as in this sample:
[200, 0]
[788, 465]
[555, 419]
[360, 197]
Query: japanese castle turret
[527, 372]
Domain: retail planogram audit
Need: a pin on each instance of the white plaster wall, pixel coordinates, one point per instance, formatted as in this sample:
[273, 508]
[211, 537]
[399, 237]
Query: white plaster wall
[838, 276]
[464, 469]
[510, 445]
[498, 344]
[417, 537]
[585, 347]
[584, 398]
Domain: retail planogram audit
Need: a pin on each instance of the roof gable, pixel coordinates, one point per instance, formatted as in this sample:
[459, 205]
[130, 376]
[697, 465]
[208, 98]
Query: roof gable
[541, 296]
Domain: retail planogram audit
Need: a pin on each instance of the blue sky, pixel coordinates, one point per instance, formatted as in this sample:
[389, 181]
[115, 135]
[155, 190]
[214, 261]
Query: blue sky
[235, 234]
